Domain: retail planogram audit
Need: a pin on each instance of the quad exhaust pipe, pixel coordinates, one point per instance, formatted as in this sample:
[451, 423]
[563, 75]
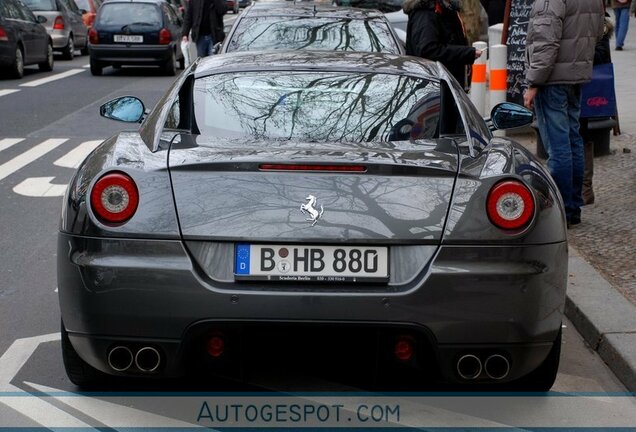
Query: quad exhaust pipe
[497, 367]
[121, 358]
[469, 367]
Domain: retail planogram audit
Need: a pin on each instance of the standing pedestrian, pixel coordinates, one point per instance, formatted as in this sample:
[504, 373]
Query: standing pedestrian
[562, 36]
[204, 18]
[435, 32]
[621, 13]
[495, 9]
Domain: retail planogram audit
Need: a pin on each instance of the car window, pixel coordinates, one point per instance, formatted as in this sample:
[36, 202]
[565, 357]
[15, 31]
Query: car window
[83, 4]
[120, 14]
[172, 15]
[333, 34]
[70, 4]
[10, 9]
[26, 14]
[40, 5]
[317, 107]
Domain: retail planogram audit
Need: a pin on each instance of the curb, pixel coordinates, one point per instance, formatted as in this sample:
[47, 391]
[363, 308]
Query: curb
[603, 317]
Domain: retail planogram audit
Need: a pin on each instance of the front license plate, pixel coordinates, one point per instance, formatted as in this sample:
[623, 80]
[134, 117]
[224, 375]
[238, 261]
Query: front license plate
[128, 38]
[308, 263]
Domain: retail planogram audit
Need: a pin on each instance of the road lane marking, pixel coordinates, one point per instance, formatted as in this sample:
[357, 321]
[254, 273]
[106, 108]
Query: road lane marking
[20, 161]
[39, 187]
[17, 355]
[75, 157]
[51, 78]
[8, 92]
[8, 142]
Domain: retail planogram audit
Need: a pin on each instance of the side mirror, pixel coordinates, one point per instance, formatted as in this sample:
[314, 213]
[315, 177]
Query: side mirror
[83, 11]
[126, 108]
[216, 48]
[509, 116]
[41, 19]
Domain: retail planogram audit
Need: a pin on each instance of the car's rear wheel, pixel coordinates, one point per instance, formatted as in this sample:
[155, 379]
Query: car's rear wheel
[47, 65]
[79, 372]
[96, 67]
[542, 378]
[170, 66]
[68, 53]
[16, 70]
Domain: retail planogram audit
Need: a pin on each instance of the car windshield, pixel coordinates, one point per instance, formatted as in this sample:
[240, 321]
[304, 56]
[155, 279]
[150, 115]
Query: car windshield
[120, 14]
[40, 5]
[333, 34]
[317, 107]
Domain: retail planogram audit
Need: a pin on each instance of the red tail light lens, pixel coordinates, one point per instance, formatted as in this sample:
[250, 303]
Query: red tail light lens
[215, 346]
[510, 205]
[165, 37]
[59, 23]
[114, 198]
[404, 348]
[3, 35]
[93, 37]
[291, 167]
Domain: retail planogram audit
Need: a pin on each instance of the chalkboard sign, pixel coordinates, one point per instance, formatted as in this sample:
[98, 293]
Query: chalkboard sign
[516, 41]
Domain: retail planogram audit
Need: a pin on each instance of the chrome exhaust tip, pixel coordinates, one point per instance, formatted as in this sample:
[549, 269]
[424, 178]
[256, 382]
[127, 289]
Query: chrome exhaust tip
[469, 367]
[147, 359]
[120, 358]
[497, 367]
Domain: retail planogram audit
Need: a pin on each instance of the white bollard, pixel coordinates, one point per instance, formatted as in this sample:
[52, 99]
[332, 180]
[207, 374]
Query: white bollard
[498, 74]
[478, 83]
[494, 34]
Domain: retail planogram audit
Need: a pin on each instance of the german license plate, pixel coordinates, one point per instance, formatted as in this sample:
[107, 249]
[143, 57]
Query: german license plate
[308, 263]
[128, 38]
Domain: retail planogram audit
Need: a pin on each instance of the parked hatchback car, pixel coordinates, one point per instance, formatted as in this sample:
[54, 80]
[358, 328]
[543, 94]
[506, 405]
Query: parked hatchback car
[284, 26]
[139, 32]
[64, 22]
[23, 40]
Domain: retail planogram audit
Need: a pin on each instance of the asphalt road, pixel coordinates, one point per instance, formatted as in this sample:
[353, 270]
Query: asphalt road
[46, 128]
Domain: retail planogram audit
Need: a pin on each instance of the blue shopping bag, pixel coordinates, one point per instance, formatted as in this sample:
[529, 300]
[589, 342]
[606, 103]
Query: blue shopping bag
[598, 97]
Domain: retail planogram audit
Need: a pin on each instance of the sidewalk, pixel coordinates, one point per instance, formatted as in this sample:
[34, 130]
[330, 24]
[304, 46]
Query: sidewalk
[602, 285]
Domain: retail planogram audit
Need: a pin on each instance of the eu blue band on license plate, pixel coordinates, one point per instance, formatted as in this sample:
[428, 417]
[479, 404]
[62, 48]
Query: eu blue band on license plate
[311, 263]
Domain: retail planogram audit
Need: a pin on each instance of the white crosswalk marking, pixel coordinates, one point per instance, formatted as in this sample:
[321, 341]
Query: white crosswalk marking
[75, 157]
[22, 160]
[52, 78]
[8, 142]
[39, 187]
[8, 92]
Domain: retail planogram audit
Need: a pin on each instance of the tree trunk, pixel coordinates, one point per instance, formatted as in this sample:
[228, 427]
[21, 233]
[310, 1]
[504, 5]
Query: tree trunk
[471, 14]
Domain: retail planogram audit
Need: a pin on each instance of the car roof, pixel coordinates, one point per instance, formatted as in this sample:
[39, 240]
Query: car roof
[134, 1]
[309, 9]
[324, 61]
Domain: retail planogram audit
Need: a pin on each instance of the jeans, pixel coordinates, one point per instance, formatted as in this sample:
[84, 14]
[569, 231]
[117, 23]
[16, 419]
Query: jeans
[558, 108]
[622, 24]
[204, 45]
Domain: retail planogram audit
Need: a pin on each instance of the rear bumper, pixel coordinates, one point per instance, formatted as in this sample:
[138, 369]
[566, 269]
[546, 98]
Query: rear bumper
[139, 291]
[60, 41]
[131, 54]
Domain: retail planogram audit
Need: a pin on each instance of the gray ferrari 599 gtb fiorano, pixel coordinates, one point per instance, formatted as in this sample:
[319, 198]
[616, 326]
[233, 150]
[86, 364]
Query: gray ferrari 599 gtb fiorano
[334, 200]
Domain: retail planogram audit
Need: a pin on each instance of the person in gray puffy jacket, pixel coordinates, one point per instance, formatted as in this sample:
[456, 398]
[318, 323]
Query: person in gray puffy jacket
[562, 35]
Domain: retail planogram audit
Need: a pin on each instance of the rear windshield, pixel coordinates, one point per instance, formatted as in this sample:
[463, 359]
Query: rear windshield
[120, 14]
[40, 5]
[317, 107]
[332, 34]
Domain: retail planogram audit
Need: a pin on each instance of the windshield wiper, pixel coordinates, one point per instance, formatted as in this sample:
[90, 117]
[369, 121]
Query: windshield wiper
[124, 27]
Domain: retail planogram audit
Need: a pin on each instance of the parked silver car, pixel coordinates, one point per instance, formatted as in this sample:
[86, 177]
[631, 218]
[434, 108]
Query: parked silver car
[63, 21]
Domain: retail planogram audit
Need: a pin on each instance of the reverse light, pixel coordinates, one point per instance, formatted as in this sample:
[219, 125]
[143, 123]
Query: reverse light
[165, 37]
[296, 167]
[58, 24]
[114, 198]
[93, 37]
[510, 205]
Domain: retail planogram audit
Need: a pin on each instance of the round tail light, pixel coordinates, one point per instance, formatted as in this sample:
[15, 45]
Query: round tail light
[114, 198]
[510, 205]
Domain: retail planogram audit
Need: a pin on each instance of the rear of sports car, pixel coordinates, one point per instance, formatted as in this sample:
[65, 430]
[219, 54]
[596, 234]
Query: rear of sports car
[313, 216]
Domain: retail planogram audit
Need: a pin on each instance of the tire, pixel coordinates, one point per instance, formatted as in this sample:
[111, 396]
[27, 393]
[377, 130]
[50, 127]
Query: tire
[542, 378]
[78, 371]
[47, 65]
[170, 66]
[96, 68]
[68, 53]
[16, 70]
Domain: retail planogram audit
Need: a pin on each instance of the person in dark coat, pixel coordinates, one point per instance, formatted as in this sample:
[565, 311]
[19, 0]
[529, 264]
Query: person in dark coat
[602, 55]
[435, 32]
[495, 9]
[204, 18]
